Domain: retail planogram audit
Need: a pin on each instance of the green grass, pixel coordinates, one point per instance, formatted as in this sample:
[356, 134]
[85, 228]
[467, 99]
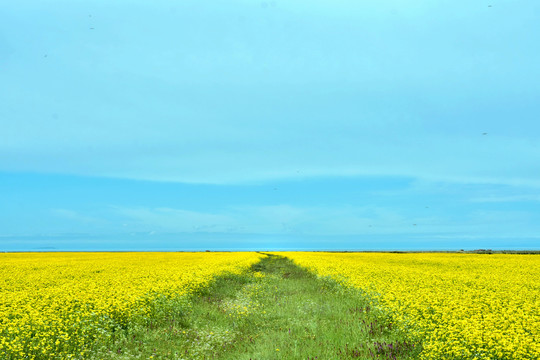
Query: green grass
[276, 311]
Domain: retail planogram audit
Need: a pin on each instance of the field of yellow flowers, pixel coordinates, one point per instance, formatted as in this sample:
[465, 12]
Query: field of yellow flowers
[461, 306]
[54, 305]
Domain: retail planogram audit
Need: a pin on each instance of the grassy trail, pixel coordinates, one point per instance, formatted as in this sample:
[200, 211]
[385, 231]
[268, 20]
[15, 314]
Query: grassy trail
[278, 311]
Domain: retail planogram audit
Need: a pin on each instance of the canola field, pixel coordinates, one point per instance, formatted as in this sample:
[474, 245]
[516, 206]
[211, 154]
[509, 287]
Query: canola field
[54, 305]
[461, 306]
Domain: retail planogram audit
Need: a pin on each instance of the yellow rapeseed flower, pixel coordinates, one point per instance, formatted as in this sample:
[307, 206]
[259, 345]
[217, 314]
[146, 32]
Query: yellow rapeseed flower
[463, 306]
[57, 304]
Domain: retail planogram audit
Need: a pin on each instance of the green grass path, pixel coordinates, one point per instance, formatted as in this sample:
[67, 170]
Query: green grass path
[276, 311]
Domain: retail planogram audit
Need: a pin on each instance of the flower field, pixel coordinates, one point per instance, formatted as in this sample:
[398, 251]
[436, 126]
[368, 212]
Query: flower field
[54, 305]
[461, 306]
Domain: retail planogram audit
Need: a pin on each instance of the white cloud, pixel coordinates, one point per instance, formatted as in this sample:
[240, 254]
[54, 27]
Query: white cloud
[504, 199]
[281, 219]
[76, 216]
[167, 219]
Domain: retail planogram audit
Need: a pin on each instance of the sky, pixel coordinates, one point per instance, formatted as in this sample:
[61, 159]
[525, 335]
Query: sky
[269, 125]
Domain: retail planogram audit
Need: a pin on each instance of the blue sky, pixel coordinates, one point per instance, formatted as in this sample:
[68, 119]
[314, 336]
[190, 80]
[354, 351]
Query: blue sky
[173, 125]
